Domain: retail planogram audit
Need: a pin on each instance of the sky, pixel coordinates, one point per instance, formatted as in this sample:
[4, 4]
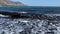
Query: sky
[40, 2]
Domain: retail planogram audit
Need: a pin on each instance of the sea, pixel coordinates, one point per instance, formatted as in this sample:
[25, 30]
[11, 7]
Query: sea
[49, 25]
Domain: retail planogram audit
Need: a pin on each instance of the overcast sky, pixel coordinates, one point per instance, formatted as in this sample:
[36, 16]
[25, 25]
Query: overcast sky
[40, 2]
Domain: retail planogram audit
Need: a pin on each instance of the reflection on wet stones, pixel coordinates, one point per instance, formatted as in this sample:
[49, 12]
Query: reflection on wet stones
[3, 32]
[28, 26]
[49, 32]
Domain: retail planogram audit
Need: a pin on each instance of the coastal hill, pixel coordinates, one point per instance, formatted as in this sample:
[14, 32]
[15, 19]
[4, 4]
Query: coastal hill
[10, 3]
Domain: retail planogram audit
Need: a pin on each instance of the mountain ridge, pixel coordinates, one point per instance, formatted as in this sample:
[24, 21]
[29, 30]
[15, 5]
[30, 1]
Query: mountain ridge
[10, 3]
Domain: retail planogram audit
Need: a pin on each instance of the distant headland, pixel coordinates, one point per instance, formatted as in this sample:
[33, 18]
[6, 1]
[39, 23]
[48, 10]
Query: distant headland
[10, 3]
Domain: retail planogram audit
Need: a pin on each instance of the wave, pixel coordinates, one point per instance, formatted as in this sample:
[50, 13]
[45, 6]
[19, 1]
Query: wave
[27, 15]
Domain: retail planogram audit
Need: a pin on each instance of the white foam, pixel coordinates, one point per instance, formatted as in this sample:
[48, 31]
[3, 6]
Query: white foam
[22, 12]
[53, 14]
[3, 15]
[24, 21]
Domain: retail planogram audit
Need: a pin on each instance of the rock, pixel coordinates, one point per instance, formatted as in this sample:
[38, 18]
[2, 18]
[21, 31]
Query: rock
[3, 32]
[49, 32]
